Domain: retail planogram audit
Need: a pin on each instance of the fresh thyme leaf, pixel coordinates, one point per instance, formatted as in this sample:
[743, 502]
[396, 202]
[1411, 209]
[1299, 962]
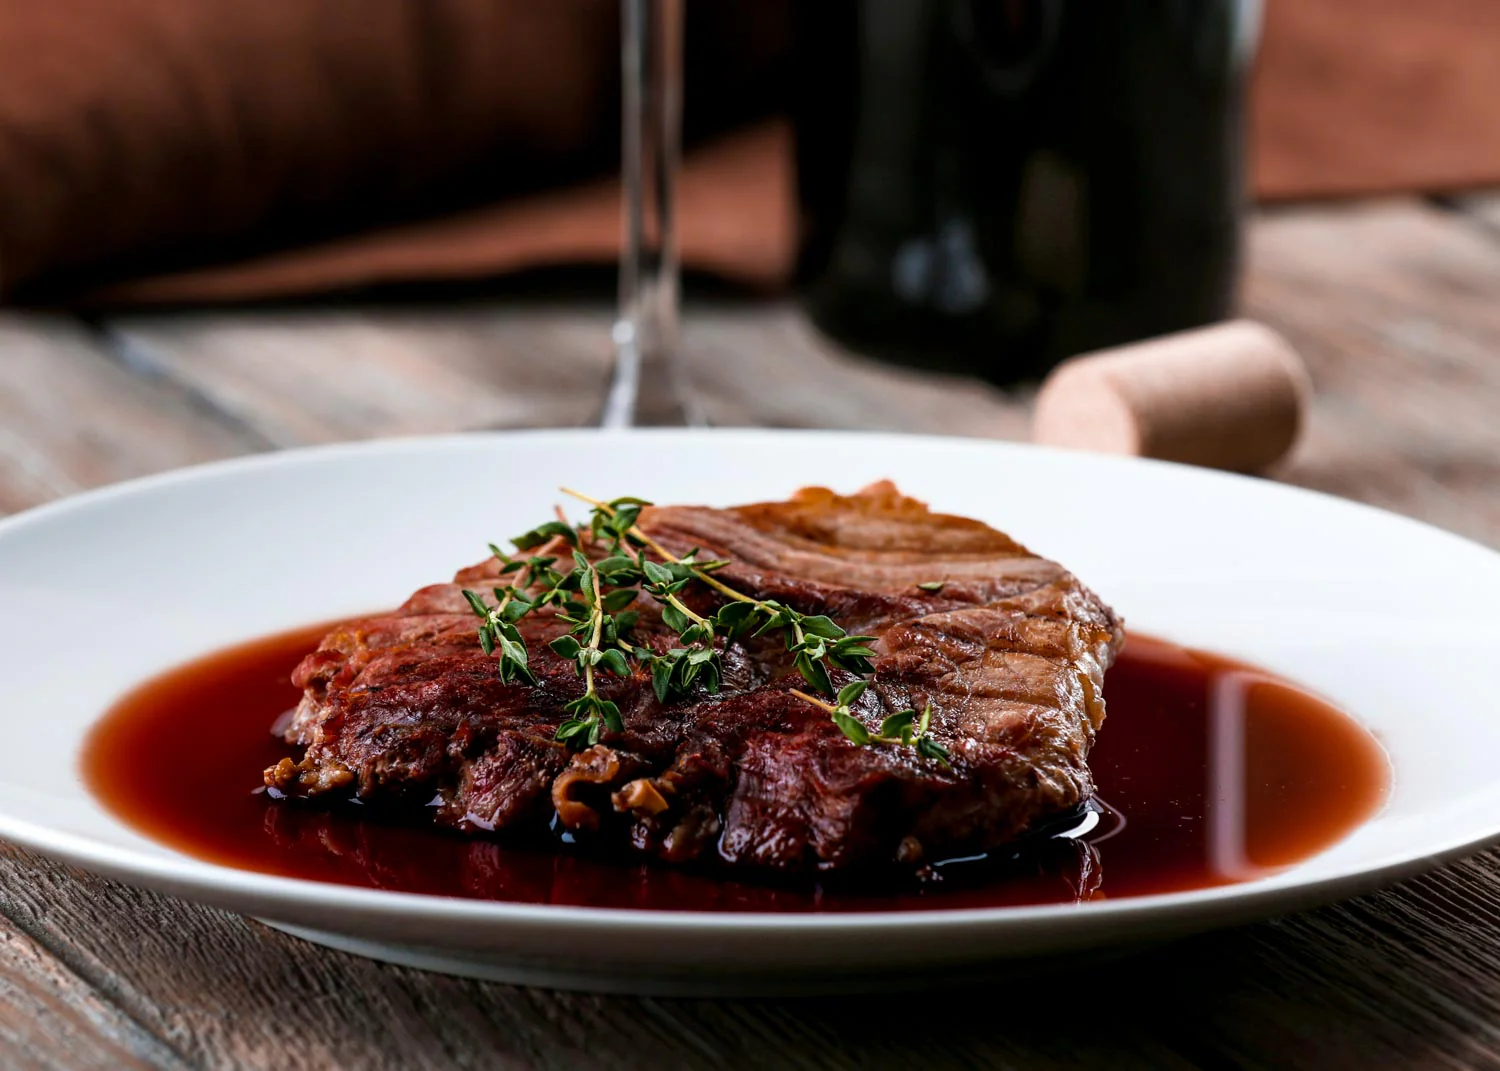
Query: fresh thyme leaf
[539, 571]
[683, 571]
[619, 599]
[613, 660]
[898, 723]
[821, 626]
[543, 532]
[566, 647]
[674, 618]
[661, 678]
[931, 749]
[815, 648]
[851, 727]
[626, 514]
[617, 567]
[776, 616]
[851, 692]
[933, 585]
[513, 663]
[571, 728]
[657, 573]
[734, 617]
[813, 672]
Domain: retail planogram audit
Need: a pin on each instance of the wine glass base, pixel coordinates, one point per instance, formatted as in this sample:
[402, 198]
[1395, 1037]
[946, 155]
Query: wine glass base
[648, 390]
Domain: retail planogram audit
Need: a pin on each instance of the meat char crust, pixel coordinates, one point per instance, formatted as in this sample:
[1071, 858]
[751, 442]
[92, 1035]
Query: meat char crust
[406, 711]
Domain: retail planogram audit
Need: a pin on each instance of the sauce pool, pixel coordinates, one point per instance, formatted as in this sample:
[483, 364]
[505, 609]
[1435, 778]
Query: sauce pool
[1209, 772]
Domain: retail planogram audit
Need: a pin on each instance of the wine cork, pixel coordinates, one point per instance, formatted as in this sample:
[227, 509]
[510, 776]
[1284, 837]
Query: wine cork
[1231, 396]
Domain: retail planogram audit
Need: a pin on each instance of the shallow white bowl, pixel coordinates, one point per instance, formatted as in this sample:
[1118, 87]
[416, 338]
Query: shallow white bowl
[1391, 619]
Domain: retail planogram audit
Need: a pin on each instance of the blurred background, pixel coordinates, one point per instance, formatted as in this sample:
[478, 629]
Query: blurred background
[238, 227]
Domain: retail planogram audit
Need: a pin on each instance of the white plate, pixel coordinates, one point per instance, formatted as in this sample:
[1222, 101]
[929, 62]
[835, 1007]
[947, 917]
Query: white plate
[1392, 619]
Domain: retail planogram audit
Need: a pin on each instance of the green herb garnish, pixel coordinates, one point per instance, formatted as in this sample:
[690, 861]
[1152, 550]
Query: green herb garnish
[906, 728]
[593, 597]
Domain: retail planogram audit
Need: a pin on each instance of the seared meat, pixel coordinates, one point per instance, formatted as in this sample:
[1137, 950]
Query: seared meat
[405, 710]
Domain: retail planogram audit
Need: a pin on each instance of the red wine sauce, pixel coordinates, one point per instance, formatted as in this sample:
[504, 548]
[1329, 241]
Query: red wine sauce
[1209, 772]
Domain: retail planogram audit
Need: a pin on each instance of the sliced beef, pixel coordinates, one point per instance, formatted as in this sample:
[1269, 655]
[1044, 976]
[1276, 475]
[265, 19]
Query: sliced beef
[405, 710]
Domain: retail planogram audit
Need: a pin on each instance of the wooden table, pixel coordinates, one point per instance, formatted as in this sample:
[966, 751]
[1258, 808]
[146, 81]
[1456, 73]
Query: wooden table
[1396, 306]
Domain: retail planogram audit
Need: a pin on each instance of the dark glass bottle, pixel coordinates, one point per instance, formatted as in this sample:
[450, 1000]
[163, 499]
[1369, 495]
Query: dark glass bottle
[992, 185]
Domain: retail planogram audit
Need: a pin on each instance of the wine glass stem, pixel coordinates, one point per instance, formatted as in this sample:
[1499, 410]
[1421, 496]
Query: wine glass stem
[648, 384]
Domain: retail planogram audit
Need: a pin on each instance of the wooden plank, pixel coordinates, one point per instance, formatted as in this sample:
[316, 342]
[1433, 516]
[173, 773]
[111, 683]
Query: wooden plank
[1409, 977]
[231, 993]
[1394, 307]
[301, 376]
[71, 417]
[50, 1018]
[766, 366]
[315, 375]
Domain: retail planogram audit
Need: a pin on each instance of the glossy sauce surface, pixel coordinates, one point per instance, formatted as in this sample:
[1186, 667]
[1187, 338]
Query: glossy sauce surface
[1209, 772]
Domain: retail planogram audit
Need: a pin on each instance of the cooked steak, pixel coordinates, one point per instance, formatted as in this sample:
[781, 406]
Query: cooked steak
[405, 709]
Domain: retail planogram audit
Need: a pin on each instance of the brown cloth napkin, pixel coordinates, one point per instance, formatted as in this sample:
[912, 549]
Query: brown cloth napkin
[735, 198]
[137, 134]
[180, 151]
[188, 150]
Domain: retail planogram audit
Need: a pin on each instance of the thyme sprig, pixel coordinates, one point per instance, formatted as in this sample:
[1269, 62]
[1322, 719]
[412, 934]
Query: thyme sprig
[593, 644]
[906, 728]
[499, 633]
[815, 641]
[593, 597]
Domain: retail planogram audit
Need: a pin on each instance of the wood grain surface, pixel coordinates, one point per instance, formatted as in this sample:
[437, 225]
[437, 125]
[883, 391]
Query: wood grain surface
[1396, 306]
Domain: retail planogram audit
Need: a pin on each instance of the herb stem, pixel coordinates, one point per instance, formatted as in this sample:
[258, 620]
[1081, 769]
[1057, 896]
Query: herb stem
[679, 604]
[829, 707]
[598, 615]
[717, 585]
[664, 554]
